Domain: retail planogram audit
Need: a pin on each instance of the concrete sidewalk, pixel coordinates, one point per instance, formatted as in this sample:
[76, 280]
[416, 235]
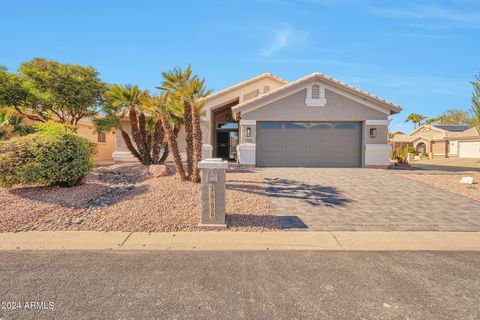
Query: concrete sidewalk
[241, 241]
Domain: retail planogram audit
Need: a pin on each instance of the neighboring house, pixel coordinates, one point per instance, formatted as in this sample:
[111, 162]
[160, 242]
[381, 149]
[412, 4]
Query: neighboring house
[105, 141]
[441, 140]
[313, 121]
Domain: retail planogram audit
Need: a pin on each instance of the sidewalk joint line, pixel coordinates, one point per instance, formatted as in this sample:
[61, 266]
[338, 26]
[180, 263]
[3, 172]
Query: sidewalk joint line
[338, 242]
[125, 239]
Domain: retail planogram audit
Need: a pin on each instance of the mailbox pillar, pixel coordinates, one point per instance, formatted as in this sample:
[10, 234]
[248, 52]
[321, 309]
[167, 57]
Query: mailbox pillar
[213, 193]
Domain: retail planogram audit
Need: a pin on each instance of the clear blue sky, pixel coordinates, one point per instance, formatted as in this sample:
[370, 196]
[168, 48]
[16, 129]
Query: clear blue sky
[419, 54]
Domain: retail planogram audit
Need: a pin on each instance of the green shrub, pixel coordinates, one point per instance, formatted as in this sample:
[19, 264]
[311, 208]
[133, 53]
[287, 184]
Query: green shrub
[47, 158]
[411, 150]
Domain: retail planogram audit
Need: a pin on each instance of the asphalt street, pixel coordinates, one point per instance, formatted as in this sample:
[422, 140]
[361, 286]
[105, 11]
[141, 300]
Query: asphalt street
[239, 285]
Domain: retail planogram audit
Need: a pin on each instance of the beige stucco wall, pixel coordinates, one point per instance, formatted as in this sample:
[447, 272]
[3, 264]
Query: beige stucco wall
[438, 147]
[429, 133]
[293, 108]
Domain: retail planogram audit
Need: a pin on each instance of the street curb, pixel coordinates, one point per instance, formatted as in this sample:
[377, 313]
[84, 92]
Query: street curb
[238, 241]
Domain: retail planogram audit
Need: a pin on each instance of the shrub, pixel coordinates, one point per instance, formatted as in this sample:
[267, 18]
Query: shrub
[411, 150]
[401, 155]
[47, 158]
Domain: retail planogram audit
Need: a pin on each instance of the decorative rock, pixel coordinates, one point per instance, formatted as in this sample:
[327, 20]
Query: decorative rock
[467, 180]
[158, 170]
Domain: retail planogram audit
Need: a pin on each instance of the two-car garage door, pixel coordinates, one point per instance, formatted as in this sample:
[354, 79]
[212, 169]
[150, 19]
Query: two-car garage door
[309, 144]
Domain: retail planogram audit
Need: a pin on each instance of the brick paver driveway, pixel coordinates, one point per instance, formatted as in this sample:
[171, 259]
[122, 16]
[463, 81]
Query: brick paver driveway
[365, 199]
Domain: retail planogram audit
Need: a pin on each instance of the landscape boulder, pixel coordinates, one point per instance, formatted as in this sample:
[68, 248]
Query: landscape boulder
[158, 170]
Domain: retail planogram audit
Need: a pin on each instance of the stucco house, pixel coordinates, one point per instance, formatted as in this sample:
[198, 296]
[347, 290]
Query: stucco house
[441, 140]
[313, 121]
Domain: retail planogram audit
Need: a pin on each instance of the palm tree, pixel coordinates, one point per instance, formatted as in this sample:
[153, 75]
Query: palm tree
[197, 90]
[167, 109]
[415, 118]
[175, 84]
[12, 126]
[147, 131]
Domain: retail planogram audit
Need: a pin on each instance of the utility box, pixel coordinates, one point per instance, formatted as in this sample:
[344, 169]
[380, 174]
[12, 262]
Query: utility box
[213, 193]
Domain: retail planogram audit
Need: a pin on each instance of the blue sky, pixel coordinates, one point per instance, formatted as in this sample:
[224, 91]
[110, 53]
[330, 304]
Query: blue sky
[419, 54]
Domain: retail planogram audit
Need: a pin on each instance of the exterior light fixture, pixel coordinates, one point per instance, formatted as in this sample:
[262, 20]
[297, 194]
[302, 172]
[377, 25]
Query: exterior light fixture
[249, 132]
[228, 117]
[373, 133]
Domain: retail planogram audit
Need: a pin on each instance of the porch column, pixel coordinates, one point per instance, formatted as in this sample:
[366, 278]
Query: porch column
[246, 147]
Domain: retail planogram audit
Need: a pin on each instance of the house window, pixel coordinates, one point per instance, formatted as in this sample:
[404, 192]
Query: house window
[270, 125]
[101, 137]
[295, 125]
[346, 125]
[321, 126]
[315, 91]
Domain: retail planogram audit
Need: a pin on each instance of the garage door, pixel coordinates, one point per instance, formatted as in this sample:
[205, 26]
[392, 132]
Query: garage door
[308, 144]
[470, 149]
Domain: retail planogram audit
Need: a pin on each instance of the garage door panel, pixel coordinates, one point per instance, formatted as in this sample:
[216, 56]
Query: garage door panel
[469, 149]
[318, 144]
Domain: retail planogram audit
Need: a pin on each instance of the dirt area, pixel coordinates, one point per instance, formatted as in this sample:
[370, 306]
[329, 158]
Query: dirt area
[125, 198]
[449, 182]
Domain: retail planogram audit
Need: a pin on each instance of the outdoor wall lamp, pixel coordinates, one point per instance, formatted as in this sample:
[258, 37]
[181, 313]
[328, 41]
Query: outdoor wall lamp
[228, 117]
[249, 132]
[373, 133]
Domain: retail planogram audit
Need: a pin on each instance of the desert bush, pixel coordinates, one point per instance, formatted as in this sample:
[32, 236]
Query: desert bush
[400, 155]
[49, 157]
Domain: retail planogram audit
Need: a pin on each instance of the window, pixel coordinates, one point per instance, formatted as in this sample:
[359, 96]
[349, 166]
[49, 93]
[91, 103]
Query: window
[295, 125]
[346, 125]
[101, 137]
[321, 126]
[270, 125]
[230, 125]
[315, 91]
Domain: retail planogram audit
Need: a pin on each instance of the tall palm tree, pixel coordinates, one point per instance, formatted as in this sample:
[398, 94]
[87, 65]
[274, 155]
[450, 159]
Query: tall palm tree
[196, 91]
[415, 118]
[167, 109]
[175, 83]
[147, 132]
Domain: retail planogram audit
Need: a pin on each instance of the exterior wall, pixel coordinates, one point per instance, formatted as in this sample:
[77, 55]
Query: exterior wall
[251, 95]
[293, 108]
[239, 94]
[428, 133]
[438, 148]
[453, 148]
[104, 150]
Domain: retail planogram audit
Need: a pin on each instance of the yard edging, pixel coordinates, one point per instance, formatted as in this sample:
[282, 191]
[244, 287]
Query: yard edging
[241, 241]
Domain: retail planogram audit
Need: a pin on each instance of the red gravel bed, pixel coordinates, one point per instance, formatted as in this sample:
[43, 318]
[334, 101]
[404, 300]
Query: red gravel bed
[154, 204]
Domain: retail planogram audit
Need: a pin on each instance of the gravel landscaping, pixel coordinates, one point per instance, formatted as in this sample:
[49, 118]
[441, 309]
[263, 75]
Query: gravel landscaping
[449, 182]
[124, 197]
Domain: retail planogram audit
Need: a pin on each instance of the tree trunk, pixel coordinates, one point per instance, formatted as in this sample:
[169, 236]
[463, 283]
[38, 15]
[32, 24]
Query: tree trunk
[164, 153]
[187, 116]
[172, 145]
[137, 137]
[157, 143]
[144, 136]
[197, 144]
[129, 144]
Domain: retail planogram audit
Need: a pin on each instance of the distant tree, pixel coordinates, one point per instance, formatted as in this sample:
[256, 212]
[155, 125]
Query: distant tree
[416, 119]
[44, 90]
[475, 110]
[455, 117]
[432, 120]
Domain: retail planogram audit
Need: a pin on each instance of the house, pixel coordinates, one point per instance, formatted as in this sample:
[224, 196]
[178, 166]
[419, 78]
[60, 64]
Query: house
[441, 140]
[313, 121]
[104, 141]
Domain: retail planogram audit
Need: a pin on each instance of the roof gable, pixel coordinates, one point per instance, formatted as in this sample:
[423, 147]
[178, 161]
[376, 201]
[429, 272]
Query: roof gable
[332, 84]
[244, 84]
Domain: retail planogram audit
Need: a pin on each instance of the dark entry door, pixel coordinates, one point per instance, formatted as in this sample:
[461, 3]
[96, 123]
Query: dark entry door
[223, 145]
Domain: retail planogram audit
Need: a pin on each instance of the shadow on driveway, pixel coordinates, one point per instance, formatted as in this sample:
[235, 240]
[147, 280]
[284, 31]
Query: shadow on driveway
[313, 194]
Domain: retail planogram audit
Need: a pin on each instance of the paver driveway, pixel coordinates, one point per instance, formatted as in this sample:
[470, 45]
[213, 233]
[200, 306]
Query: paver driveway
[365, 199]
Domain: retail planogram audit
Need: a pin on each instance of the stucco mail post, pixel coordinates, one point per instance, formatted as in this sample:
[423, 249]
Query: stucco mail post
[213, 193]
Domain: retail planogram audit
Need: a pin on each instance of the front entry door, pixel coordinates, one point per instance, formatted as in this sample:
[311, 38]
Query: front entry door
[223, 145]
[227, 145]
